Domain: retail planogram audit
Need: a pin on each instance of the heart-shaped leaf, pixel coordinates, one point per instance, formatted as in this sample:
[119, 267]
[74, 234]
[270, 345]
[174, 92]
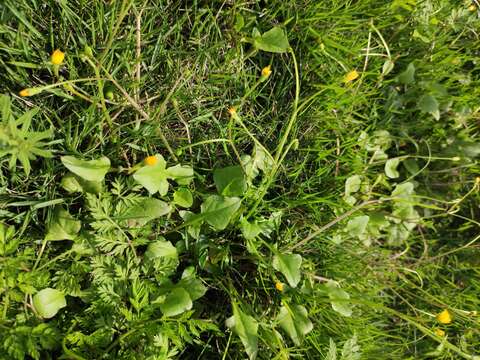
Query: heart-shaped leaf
[289, 266]
[91, 170]
[153, 177]
[294, 320]
[48, 302]
[219, 210]
[246, 328]
[63, 226]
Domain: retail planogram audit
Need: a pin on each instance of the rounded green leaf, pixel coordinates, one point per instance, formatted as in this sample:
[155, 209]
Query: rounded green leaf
[63, 226]
[48, 302]
[176, 302]
[289, 266]
[183, 197]
[153, 177]
[91, 170]
[391, 168]
[230, 181]
[219, 210]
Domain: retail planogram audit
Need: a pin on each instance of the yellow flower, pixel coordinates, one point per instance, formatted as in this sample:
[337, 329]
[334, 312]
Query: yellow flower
[57, 57]
[444, 317]
[24, 93]
[279, 286]
[472, 7]
[352, 75]
[151, 160]
[232, 111]
[439, 332]
[266, 71]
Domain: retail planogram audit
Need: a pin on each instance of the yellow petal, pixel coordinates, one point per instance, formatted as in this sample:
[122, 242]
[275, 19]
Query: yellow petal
[57, 57]
[444, 317]
[352, 75]
[266, 71]
[232, 111]
[279, 286]
[151, 160]
[439, 332]
[24, 93]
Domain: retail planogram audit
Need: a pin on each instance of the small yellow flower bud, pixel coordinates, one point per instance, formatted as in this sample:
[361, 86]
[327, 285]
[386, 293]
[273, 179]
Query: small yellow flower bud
[444, 317]
[350, 76]
[266, 71]
[232, 111]
[57, 57]
[24, 93]
[151, 160]
[279, 286]
[472, 8]
[439, 332]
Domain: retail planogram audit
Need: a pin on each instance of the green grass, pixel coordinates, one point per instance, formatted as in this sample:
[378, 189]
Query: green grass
[140, 77]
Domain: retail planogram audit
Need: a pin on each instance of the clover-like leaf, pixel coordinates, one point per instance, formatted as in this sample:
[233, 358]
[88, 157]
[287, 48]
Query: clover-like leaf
[48, 302]
[90, 170]
[289, 266]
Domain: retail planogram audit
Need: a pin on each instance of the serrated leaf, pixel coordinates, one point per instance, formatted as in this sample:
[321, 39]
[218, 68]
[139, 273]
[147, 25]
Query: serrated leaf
[246, 328]
[63, 226]
[144, 211]
[90, 170]
[219, 210]
[294, 321]
[351, 350]
[332, 351]
[357, 225]
[183, 197]
[391, 168]
[339, 299]
[275, 40]
[48, 302]
[289, 265]
[408, 76]
[230, 181]
[176, 302]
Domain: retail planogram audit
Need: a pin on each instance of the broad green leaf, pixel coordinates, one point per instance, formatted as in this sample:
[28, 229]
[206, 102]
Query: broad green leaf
[161, 249]
[357, 225]
[411, 165]
[408, 76]
[404, 190]
[182, 174]
[183, 197]
[352, 184]
[73, 183]
[194, 228]
[429, 104]
[391, 168]
[339, 299]
[289, 266]
[246, 328]
[250, 230]
[194, 286]
[153, 177]
[218, 211]
[48, 302]
[63, 226]
[275, 40]
[294, 320]
[177, 301]
[239, 22]
[90, 170]
[144, 211]
[230, 181]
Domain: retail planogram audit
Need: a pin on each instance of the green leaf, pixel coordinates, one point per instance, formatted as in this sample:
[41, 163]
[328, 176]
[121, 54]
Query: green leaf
[387, 67]
[48, 302]
[176, 302]
[339, 299]
[218, 211]
[183, 197]
[404, 191]
[412, 166]
[246, 328]
[230, 181]
[429, 104]
[239, 22]
[8, 241]
[63, 226]
[357, 225]
[182, 174]
[408, 76]
[161, 249]
[90, 170]
[352, 184]
[5, 107]
[294, 321]
[144, 211]
[275, 40]
[73, 183]
[289, 266]
[351, 350]
[391, 168]
[153, 177]
[332, 351]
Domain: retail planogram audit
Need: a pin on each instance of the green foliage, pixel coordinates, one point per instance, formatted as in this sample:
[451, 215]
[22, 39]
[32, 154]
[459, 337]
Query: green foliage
[48, 302]
[90, 170]
[246, 327]
[289, 266]
[274, 40]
